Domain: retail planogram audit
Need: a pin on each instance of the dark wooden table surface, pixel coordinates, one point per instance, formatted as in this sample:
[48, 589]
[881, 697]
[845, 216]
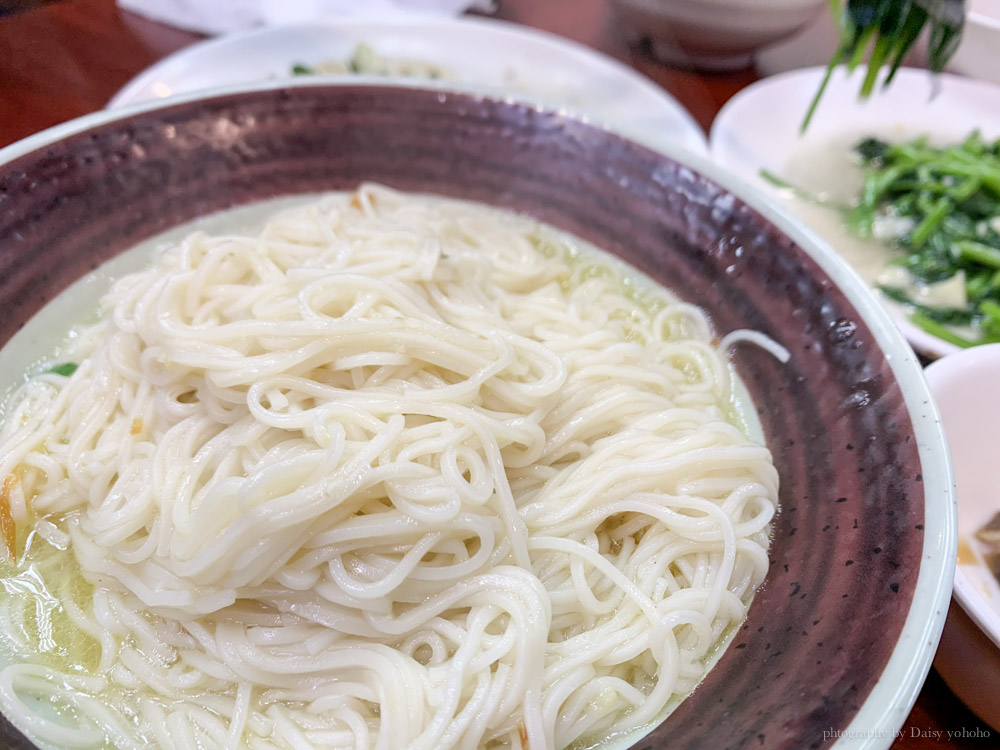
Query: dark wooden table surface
[65, 59]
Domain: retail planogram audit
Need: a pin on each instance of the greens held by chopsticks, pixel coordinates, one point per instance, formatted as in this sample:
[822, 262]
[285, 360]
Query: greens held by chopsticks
[945, 205]
[889, 29]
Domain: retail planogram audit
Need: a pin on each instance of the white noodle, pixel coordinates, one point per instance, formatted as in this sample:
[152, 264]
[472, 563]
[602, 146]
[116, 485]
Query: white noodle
[766, 343]
[398, 472]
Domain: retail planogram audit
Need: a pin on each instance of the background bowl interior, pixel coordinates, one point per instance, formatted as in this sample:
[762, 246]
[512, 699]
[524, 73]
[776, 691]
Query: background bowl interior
[848, 540]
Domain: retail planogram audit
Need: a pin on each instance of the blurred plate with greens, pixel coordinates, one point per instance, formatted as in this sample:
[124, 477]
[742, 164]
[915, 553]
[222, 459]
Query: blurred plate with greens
[905, 186]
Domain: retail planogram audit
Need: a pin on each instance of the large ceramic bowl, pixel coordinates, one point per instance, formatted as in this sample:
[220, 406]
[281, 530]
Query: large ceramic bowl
[839, 640]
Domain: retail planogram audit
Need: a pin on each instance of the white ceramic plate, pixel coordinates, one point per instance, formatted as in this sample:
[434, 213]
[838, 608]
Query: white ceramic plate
[482, 55]
[759, 129]
[965, 388]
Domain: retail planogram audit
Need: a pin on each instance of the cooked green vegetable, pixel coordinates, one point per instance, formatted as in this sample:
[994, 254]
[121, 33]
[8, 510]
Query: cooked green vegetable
[66, 368]
[885, 30]
[940, 207]
[945, 206]
[364, 60]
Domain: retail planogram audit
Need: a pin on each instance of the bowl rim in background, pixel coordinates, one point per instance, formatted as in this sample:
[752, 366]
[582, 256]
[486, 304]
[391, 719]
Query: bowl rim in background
[885, 708]
[984, 19]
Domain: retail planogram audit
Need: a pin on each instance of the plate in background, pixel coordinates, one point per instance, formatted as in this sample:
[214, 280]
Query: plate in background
[759, 129]
[965, 388]
[481, 55]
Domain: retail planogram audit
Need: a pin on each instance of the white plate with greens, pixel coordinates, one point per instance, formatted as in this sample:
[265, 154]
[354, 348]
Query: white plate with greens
[479, 55]
[758, 131]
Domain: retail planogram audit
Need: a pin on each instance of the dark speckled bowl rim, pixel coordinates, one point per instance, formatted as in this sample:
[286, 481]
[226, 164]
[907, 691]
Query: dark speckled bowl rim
[885, 709]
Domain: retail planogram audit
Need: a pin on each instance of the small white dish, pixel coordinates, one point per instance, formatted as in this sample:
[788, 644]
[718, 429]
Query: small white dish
[966, 387]
[759, 128]
[481, 55]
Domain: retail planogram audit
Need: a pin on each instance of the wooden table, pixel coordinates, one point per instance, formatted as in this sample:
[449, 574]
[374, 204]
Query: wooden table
[68, 58]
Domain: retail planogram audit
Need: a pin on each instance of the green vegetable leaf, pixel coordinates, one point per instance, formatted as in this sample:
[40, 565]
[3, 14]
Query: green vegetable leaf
[872, 151]
[941, 331]
[66, 368]
[884, 31]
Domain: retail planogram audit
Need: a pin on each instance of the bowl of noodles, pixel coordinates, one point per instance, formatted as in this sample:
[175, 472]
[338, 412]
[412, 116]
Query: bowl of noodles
[374, 416]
